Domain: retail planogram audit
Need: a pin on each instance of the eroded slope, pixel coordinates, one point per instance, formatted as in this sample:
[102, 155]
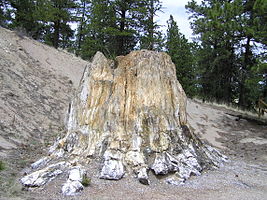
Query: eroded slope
[36, 85]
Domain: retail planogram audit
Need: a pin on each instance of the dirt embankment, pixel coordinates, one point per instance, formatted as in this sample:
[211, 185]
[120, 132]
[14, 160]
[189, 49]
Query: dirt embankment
[224, 129]
[36, 86]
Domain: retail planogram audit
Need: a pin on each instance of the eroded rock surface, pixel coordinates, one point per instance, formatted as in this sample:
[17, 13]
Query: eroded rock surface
[130, 114]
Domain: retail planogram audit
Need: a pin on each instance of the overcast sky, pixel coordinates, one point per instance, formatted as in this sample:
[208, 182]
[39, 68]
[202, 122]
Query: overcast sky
[176, 8]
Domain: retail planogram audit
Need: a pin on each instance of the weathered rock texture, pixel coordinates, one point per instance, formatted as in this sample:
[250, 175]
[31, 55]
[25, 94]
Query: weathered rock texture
[130, 114]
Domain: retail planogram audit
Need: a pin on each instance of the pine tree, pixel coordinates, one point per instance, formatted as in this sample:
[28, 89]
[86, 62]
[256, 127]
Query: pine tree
[4, 13]
[124, 33]
[232, 67]
[24, 12]
[252, 73]
[180, 51]
[83, 10]
[259, 21]
[60, 15]
[214, 22]
[44, 20]
[116, 27]
[151, 38]
[246, 56]
[111, 28]
[97, 37]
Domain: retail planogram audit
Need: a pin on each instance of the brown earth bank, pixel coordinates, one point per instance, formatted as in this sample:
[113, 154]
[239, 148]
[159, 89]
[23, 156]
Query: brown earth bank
[37, 83]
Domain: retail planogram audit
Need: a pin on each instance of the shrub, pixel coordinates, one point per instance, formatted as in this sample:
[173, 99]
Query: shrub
[86, 181]
[2, 165]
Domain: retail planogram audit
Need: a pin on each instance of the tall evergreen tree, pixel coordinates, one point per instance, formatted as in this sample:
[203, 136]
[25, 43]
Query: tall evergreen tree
[25, 17]
[151, 38]
[247, 59]
[44, 20]
[253, 69]
[113, 27]
[4, 13]
[101, 19]
[83, 10]
[228, 58]
[179, 49]
[60, 15]
[214, 22]
[259, 22]
[124, 33]
[116, 27]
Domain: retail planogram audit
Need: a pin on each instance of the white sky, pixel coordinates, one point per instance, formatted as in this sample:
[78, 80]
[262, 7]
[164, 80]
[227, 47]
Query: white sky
[176, 8]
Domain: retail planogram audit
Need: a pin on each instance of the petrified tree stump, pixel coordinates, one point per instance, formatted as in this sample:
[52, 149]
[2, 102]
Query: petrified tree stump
[131, 115]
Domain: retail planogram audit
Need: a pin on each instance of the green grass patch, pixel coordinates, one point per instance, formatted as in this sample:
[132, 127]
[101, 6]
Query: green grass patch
[2, 165]
[86, 181]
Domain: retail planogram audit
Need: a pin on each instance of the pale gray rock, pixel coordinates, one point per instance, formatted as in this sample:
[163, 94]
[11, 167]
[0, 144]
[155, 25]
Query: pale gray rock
[40, 163]
[41, 177]
[112, 169]
[76, 174]
[143, 176]
[71, 188]
[73, 185]
[161, 166]
[175, 181]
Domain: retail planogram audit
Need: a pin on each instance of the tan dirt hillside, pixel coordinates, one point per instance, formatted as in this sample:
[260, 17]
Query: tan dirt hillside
[37, 83]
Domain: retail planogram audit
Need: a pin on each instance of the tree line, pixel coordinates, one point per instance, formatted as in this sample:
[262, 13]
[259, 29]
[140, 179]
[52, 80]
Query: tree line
[231, 58]
[226, 62]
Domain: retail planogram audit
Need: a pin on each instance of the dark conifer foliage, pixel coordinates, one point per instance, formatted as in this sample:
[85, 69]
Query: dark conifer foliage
[25, 17]
[117, 27]
[182, 54]
[231, 57]
[150, 38]
[44, 20]
[4, 13]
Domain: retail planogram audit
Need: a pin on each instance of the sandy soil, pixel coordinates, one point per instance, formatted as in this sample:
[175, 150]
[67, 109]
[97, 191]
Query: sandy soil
[36, 86]
[37, 83]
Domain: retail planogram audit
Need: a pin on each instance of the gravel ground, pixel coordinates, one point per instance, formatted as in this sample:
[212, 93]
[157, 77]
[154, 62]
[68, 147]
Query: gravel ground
[236, 180]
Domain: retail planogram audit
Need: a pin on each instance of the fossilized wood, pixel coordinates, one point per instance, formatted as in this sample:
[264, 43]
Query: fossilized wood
[131, 115]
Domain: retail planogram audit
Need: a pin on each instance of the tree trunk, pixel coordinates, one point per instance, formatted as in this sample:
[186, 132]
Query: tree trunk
[151, 25]
[244, 71]
[121, 38]
[56, 33]
[130, 115]
[81, 35]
